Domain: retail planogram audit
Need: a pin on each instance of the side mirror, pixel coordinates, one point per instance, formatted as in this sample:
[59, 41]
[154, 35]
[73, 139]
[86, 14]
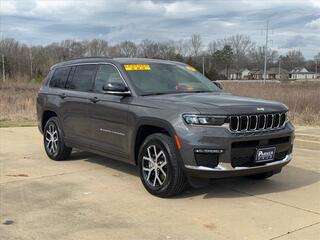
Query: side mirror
[218, 84]
[116, 88]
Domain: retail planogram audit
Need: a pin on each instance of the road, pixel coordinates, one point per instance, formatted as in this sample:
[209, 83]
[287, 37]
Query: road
[91, 197]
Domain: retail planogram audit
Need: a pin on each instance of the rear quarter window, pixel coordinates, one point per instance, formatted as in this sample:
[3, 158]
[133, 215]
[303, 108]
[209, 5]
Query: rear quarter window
[83, 77]
[60, 77]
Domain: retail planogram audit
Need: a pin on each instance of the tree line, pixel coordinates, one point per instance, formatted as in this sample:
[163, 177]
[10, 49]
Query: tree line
[31, 63]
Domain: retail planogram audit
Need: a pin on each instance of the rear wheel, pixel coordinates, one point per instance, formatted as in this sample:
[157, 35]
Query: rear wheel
[159, 168]
[53, 140]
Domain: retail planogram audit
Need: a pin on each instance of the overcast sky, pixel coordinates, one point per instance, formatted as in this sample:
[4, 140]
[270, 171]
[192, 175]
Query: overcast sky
[295, 24]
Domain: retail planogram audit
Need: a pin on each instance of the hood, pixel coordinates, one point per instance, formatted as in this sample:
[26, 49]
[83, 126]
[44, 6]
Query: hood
[218, 103]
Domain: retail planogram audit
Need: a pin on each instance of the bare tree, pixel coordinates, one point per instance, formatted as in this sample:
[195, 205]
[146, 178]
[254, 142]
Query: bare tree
[128, 49]
[293, 58]
[196, 44]
[148, 48]
[257, 57]
[241, 46]
[96, 47]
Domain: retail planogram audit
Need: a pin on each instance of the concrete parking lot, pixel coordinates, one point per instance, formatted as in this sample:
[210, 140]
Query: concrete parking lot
[91, 197]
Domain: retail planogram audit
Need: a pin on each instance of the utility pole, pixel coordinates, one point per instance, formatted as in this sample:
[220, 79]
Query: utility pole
[202, 65]
[265, 54]
[279, 68]
[3, 64]
[316, 68]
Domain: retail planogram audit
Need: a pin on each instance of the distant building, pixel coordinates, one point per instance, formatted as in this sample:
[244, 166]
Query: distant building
[277, 74]
[255, 74]
[232, 74]
[301, 73]
[273, 73]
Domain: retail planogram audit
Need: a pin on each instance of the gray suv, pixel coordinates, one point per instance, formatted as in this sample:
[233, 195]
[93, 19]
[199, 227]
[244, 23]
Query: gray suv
[177, 126]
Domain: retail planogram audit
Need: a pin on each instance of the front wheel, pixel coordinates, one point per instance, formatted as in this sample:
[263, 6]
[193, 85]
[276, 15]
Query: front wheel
[159, 167]
[53, 140]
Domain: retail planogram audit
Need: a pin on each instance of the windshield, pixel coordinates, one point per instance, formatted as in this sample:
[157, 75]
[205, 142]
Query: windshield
[161, 78]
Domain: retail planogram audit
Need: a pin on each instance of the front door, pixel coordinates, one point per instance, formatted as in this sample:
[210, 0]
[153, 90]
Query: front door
[108, 115]
[76, 101]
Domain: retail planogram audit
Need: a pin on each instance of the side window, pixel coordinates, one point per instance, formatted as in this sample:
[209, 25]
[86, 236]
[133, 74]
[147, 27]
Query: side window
[83, 77]
[59, 77]
[106, 74]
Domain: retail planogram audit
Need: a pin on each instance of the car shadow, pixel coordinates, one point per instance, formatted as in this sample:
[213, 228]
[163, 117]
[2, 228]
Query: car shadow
[290, 178]
[104, 161]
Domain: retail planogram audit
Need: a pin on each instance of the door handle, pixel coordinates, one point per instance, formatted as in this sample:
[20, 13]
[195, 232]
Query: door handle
[94, 99]
[63, 95]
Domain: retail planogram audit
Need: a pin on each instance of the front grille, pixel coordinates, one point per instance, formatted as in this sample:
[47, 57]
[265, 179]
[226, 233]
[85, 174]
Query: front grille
[260, 122]
[243, 153]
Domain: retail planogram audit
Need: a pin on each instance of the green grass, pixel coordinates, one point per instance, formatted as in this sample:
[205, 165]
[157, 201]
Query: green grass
[4, 124]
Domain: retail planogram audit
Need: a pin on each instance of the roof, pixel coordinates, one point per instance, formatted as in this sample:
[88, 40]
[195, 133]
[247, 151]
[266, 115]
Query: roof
[112, 60]
[275, 70]
[302, 70]
[145, 60]
[256, 71]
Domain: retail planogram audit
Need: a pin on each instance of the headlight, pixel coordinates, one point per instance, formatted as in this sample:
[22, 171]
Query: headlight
[195, 119]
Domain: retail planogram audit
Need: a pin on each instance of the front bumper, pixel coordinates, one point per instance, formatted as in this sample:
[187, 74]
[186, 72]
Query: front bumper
[235, 151]
[226, 170]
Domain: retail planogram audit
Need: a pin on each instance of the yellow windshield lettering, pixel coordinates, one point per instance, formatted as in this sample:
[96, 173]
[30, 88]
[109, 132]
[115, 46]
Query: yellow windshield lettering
[137, 67]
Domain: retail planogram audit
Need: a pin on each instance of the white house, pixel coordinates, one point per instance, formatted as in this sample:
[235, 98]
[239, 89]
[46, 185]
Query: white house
[233, 74]
[301, 73]
[244, 73]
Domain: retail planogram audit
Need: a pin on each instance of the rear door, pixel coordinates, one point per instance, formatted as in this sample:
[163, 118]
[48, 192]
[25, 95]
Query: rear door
[76, 102]
[108, 115]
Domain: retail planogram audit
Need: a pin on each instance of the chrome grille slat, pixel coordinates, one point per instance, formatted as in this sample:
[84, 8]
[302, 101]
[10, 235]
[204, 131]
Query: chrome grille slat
[257, 123]
[238, 126]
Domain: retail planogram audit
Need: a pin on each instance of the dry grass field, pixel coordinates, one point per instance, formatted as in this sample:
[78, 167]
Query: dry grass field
[18, 103]
[302, 98]
[17, 100]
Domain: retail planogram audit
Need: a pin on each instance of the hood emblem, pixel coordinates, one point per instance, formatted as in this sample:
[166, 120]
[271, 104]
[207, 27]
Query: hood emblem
[260, 109]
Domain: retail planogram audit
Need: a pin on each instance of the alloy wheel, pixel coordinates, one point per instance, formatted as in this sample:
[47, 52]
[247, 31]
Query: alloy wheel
[52, 139]
[154, 166]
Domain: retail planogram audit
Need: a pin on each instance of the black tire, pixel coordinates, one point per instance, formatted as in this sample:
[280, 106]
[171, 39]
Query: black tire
[261, 176]
[58, 151]
[175, 181]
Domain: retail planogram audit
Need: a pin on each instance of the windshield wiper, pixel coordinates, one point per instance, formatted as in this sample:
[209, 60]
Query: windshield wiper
[200, 91]
[150, 94]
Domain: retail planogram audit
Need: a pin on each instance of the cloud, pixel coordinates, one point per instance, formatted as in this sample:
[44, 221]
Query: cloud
[314, 24]
[294, 23]
[295, 41]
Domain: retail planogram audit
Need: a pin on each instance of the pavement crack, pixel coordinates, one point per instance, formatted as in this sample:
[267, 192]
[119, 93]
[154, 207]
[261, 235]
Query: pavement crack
[296, 230]
[47, 176]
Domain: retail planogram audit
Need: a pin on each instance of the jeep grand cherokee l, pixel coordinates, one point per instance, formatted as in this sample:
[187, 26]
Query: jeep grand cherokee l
[165, 117]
